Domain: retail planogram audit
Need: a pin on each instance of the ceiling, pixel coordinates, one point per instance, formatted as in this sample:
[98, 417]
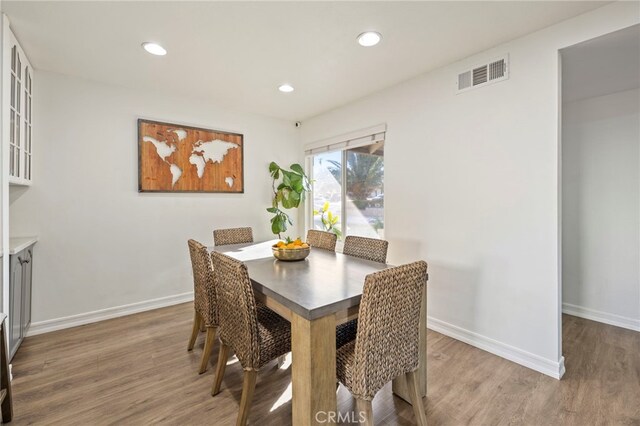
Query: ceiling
[238, 53]
[603, 65]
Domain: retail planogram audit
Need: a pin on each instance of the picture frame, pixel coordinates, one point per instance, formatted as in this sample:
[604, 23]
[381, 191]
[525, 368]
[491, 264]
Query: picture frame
[182, 158]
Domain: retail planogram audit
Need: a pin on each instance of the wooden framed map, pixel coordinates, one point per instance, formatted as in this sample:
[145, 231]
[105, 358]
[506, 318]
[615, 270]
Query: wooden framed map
[175, 158]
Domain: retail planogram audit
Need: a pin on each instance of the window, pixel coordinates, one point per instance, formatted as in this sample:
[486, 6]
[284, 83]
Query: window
[327, 190]
[348, 188]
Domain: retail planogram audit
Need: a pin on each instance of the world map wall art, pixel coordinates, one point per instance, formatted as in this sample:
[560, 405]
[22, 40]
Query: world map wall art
[175, 158]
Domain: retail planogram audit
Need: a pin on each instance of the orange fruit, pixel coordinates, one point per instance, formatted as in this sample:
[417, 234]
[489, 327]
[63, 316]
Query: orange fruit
[304, 245]
[291, 246]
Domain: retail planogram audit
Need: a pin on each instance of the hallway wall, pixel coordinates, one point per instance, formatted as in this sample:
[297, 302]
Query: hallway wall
[601, 208]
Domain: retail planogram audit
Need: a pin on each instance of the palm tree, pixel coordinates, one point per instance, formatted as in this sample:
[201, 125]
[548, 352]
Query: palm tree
[365, 173]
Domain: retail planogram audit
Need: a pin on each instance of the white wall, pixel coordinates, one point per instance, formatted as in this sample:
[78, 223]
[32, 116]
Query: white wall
[4, 190]
[471, 185]
[601, 207]
[102, 244]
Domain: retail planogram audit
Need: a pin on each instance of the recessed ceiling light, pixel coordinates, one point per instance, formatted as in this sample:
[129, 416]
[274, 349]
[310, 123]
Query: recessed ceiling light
[369, 38]
[286, 88]
[154, 48]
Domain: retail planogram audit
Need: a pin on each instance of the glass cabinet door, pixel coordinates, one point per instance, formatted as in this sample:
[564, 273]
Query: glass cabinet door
[19, 114]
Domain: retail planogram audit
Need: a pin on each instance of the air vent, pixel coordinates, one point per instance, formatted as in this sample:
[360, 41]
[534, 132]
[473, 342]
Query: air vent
[497, 69]
[484, 74]
[464, 80]
[480, 75]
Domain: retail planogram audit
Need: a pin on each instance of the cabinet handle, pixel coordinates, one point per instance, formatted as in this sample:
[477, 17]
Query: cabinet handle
[23, 261]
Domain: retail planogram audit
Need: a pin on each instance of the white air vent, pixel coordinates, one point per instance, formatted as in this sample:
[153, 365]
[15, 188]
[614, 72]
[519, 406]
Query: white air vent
[464, 80]
[497, 69]
[481, 75]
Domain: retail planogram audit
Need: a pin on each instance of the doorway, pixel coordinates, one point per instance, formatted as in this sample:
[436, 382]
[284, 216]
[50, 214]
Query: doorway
[600, 180]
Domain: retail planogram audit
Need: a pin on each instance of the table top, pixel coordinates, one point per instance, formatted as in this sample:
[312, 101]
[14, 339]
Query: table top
[324, 283]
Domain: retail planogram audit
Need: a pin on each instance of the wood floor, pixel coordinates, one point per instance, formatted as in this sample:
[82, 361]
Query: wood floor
[136, 370]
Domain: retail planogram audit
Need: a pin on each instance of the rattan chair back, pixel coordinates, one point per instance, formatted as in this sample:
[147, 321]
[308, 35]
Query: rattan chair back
[204, 291]
[366, 248]
[237, 310]
[321, 239]
[223, 237]
[387, 339]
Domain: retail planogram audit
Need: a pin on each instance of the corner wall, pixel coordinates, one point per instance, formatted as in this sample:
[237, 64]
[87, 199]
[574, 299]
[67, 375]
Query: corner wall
[471, 185]
[104, 248]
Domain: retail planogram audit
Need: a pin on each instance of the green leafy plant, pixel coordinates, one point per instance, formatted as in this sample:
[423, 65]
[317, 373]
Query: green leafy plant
[330, 221]
[289, 189]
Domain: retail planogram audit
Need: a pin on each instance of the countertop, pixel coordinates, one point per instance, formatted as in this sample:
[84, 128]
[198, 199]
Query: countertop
[18, 244]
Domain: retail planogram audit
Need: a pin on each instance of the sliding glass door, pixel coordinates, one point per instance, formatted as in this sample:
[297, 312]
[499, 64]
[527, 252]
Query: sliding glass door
[348, 191]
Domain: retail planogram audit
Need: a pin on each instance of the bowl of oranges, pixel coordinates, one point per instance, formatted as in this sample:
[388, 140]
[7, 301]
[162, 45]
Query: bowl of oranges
[291, 250]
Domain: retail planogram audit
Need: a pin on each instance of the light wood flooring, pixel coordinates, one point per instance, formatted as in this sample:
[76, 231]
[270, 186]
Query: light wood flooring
[136, 370]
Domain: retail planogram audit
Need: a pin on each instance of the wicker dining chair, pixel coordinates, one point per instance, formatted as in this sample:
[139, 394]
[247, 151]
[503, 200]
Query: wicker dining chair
[204, 300]
[223, 237]
[366, 248]
[256, 334]
[387, 340]
[322, 239]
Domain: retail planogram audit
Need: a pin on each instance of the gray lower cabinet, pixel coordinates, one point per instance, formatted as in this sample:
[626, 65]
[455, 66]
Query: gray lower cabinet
[20, 272]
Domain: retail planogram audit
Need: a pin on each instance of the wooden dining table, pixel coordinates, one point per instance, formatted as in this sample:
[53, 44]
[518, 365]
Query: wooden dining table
[315, 295]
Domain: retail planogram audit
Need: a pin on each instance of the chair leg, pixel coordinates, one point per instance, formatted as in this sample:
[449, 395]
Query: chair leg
[222, 365]
[203, 327]
[6, 406]
[281, 360]
[194, 332]
[416, 400]
[365, 411]
[248, 386]
[208, 345]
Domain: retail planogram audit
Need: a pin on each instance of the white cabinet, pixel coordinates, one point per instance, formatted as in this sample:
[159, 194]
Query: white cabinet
[17, 81]
[20, 280]
[16, 153]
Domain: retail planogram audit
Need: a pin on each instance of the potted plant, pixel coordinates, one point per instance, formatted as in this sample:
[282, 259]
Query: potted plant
[289, 189]
[328, 219]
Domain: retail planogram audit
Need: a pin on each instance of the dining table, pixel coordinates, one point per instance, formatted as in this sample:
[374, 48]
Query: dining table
[315, 295]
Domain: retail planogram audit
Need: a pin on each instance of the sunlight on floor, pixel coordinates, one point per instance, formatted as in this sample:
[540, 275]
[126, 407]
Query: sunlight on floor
[286, 395]
[232, 360]
[284, 398]
[287, 362]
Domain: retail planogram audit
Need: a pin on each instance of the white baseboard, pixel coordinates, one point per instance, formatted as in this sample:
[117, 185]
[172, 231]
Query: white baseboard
[549, 367]
[47, 326]
[605, 317]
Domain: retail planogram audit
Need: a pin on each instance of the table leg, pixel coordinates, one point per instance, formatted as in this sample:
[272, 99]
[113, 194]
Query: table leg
[313, 370]
[399, 385]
